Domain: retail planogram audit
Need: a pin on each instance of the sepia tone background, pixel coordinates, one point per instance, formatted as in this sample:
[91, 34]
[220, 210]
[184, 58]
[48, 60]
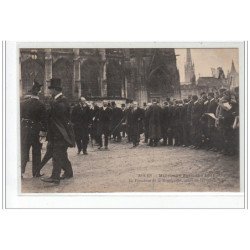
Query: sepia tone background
[130, 74]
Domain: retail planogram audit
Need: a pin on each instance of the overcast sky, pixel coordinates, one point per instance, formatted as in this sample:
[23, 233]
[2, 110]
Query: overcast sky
[205, 59]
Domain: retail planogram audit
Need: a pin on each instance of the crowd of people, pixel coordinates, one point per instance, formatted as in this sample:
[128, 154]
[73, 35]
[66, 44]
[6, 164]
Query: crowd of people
[209, 121]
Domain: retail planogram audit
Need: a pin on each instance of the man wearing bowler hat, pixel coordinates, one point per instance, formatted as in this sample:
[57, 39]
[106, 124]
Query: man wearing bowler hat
[60, 133]
[33, 121]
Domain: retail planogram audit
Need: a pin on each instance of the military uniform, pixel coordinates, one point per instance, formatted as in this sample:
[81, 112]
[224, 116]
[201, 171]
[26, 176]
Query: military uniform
[33, 120]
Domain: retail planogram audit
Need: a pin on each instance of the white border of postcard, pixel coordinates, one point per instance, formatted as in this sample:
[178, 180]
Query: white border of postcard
[13, 199]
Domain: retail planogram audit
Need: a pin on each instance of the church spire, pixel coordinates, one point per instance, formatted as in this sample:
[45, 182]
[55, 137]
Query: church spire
[189, 68]
[233, 70]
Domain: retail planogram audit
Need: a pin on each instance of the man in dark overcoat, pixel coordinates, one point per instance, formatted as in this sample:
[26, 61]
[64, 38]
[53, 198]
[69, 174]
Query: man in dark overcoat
[211, 109]
[33, 121]
[81, 118]
[184, 124]
[103, 118]
[134, 123]
[116, 121]
[165, 122]
[196, 113]
[123, 124]
[60, 133]
[154, 115]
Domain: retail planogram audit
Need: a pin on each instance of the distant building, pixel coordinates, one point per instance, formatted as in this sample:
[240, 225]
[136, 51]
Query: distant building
[206, 84]
[189, 69]
[210, 84]
[233, 77]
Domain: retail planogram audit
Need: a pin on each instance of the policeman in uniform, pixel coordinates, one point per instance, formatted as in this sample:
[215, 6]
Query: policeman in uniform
[33, 121]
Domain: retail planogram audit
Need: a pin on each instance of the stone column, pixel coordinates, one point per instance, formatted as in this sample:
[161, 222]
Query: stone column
[103, 77]
[48, 70]
[20, 75]
[76, 86]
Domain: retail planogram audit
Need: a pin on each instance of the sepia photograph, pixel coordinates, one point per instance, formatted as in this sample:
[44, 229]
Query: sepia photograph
[105, 120]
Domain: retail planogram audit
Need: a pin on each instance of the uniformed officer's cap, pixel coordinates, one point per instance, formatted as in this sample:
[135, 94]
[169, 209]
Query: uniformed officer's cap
[35, 88]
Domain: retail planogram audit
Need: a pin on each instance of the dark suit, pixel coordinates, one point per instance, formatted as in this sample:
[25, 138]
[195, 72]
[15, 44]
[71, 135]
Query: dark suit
[61, 136]
[176, 125]
[80, 118]
[196, 113]
[165, 124]
[212, 133]
[33, 120]
[134, 123]
[103, 125]
[185, 125]
[117, 116]
[155, 118]
[93, 123]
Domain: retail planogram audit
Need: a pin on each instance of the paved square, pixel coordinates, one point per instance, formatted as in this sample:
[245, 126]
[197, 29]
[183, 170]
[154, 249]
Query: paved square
[142, 169]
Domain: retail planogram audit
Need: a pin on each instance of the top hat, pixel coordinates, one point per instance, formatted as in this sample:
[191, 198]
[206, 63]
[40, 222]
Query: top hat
[55, 83]
[36, 87]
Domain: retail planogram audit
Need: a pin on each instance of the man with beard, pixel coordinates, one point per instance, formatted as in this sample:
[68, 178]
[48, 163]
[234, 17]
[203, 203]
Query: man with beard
[154, 115]
[134, 121]
[103, 124]
[33, 120]
[60, 134]
[80, 118]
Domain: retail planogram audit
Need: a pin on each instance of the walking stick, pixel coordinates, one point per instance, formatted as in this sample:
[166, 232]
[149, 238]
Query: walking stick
[117, 126]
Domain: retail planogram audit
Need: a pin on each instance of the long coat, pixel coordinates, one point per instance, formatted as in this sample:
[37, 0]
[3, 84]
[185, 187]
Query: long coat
[60, 127]
[103, 118]
[116, 118]
[81, 118]
[154, 115]
[134, 121]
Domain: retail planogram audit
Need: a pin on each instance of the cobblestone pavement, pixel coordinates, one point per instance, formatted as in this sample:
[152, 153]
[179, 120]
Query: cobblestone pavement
[142, 169]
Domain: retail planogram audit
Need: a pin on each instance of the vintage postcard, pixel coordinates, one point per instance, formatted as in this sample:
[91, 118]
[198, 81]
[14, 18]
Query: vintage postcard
[130, 118]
